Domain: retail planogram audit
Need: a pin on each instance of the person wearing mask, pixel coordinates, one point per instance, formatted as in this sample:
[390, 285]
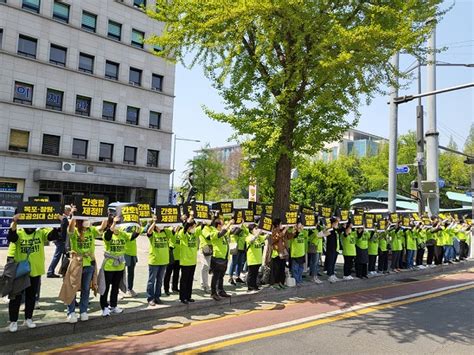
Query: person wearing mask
[205, 253]
[220, 256]
[298, 253]
[332, 247]
[188, 257]
[28, 244]
[420, 243]
[131, 260]
[396, 236]
[279, 254]
[113, 267]
[411, 234]
[362, 252]
[238, 236]
[82, 244]
[348, 250]
[373, 251]
[448, 241]
[60, 243]
[383, 252]
[158, 260]
[430, 243]
[315, 248]
[174, 267]
[439, 243]
[255, 242]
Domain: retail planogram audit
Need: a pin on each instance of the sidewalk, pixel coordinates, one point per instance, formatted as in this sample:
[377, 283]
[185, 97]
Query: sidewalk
[51, 316]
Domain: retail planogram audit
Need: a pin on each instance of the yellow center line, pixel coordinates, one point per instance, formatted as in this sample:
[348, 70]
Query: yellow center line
[317, 322]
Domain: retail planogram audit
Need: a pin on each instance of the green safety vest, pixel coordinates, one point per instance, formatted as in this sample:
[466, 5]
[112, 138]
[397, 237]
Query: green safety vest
[383, 241]
[362, 241]
[254, 250]
[411, 239]
[34, 243]
[159, 252]
[116, 247]
[84, 246]
[220, 246]
[298, 244]
[374, 244]
[349, 244]
[188, 248]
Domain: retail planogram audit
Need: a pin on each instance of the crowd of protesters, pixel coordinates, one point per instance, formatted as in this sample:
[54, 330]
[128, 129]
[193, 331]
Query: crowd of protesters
[279, 257]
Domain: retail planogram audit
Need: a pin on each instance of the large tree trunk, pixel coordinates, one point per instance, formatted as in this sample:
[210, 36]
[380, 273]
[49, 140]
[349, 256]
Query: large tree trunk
[282, 186]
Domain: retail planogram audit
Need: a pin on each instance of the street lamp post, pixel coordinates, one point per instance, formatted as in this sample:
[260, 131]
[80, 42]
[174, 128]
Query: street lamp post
[170, 198]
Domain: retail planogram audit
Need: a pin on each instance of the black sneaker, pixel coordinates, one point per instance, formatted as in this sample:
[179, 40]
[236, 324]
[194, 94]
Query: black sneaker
[184, 301]
[239, 280]
[53, 276]
[158, 301]
[191, 300]
[223, 294]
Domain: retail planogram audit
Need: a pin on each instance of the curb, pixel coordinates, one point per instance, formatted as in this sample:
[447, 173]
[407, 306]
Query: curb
[55, 329]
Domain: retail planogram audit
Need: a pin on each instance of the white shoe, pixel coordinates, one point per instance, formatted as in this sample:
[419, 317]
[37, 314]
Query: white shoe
[106, 312]
[316, 280]
[72, 318]
[29, 323]
[116, 310]
[84, 317]
[13, 327]
[333, 279]
[345, 278]
[131, 293]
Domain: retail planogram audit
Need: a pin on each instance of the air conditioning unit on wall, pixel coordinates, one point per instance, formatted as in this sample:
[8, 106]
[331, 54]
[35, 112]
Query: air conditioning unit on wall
[68, 167]
[90, 169]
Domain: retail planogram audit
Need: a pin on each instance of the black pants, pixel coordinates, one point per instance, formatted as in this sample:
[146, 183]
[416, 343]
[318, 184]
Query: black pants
[217, 281]
[186, 282]
[395, 260]
[331, 263]
[112, 278]
[463, 250]
[430, 257]
[372, 261]
[400, 259]
[172, 268]
[30, 299]
[383, 261]
[361, 269]
[348, 264]
[252, 276]
[419, 256]
[438, 255]
[277, 275]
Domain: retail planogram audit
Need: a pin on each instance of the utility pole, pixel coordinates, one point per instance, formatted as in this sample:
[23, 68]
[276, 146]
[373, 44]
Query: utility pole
[420, 145]
[393, 138]
[432, 134]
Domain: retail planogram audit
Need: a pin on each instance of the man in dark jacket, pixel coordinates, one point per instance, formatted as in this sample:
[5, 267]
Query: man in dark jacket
[60, 243]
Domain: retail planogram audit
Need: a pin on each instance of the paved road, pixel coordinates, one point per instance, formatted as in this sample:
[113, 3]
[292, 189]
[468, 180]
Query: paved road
[426, 316]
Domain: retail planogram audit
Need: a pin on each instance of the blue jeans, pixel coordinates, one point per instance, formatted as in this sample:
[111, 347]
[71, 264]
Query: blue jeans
[313, 261]
[297, 271]
[410, 256]
[60, 249]
[155, 281]
[237, 263]
[448, 253]
[87, 273]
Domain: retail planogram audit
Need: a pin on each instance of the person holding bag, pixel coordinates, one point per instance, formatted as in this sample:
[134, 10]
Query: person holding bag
[27, 248]
[220, 256]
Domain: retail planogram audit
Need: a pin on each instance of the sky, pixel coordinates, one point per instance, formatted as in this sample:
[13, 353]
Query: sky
[455, 110]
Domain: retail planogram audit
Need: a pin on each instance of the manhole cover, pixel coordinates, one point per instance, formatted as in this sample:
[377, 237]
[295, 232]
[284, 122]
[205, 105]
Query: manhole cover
[408, 280]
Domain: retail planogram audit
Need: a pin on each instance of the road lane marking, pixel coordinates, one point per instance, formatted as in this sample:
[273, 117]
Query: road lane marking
[308, 322]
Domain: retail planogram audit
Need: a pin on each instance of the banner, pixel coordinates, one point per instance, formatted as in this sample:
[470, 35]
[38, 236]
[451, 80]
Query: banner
[307, 210]
[253, 193]
[416, 217]
[325, 212]
[39, 214]
[308, 220]
[144, 211]
[359, 210]
[265, 224]
[223, 207]
[369, 224]
[248, 215]
[393, 217]
[94, 207]
[290, 218]
[4, 228]
[238, 217]
[358, 221]
[406, 222]
[427, 221]
[38, 199]
[268, 210]
[379, 216]
[294, 207]
[343, 215]
[168, 215]
[382, 225]
[129, 216]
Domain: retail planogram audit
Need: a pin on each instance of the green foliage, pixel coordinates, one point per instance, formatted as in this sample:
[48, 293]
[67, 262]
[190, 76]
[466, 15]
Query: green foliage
[291, 71]
[469, 144]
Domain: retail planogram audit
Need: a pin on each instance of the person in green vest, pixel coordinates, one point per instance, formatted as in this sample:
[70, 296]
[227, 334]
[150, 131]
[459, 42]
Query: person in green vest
[27, 244]
[158, 260]
[255, 241]
[237, 236]
[362, 252]
[348, 239]
[188, 246]
[411, 245]
[464, 239]
[298, 253]
[382, 266]
[220, 257]
[421, 244]
[131, 260]
[437, 232]
[373, 251]
[448, 238]
[396, 236]
[173, 269]
[430, 242]
[204, 231]
[315, 249]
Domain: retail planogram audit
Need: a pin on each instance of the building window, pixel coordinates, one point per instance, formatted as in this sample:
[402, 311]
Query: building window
[130, 155]
[135, 77]
[89, 21]
[19, 140]
[50, 144]
[61, 12]
[83, 105]
[157, 82]
[31, 5]
[132, 115]
[106, 152]
[152, 158]
[54, 99]
[27, 46]
[108, 110]
[155, 120]
[86, 63]
[57, 55]
[157, 48]
[79, 148]
[137, 38]
[139, 3]
[115, 30]
[111, 70]
[23, 93]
